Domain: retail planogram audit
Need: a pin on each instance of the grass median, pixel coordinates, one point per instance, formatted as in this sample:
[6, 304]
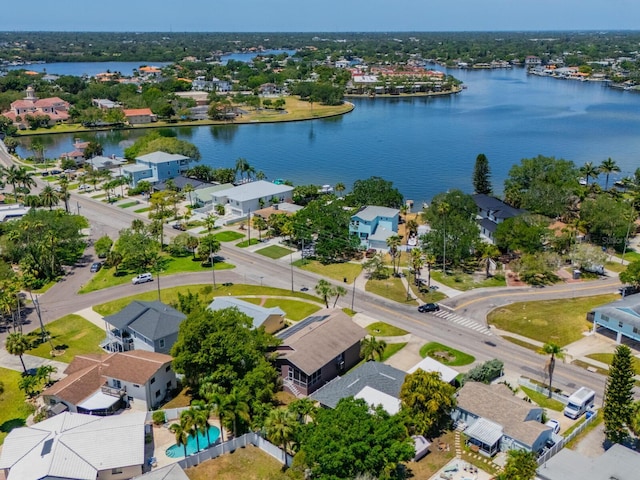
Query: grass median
[13, 408]
[447, 355]
[335, 271]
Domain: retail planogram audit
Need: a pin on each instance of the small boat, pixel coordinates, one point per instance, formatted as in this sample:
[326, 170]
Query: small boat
[582, 181]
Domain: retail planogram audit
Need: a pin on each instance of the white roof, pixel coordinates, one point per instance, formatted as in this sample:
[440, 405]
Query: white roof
[161, 157]
[375, 397]
[74, 446]
[256, 312]
[485, 430]
[255, 190]
[135, 168]
[12, 211]
[372, 212]
[98, 401]
[428, 364]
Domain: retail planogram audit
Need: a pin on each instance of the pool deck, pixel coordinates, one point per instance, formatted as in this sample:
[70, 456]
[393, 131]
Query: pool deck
[455, 470]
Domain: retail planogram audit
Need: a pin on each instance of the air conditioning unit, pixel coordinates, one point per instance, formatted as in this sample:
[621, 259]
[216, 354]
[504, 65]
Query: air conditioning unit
[341, 365]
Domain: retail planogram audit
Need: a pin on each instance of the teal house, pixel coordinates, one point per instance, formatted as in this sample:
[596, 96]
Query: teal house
[156, 167]
[621, 317]
[373, 225]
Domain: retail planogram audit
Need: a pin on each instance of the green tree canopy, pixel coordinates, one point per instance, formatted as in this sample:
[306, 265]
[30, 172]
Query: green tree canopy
[631, 274]
[521, 465]
[618, 396]
[482, 175]
[525, 233]
[161, 141]
[374, 191]
[607, 220]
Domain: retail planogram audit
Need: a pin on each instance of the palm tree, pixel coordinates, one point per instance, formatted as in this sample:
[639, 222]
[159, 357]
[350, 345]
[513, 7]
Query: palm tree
[394, 242]
[281, 426]
[188, 190]
[417, 262]
[339, 291]
[608, 167]
[429, 260]
[210, 221]
[588, 170]
[216, 397]
[26, 178]
[411, 227]
[554, 350]
[488, 252]
[180, 431]
[339, 188]
[237, 407]
[325, 290]
[242, 167]
[17, 344]
[44, 373]
[260, 224]
[64, 192]
[203, 412]
[49, 197]
[303, 408]
[188, 422]
[12, 176]
[371, 347]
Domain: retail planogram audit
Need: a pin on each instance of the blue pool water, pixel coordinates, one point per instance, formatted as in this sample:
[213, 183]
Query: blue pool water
[177, 451]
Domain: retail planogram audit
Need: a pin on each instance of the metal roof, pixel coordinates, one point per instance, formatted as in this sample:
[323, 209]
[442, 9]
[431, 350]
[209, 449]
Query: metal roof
[170, 472]
[161, 157]
[257, 313]
[428, 364]
[485, 431]
[372, 212]
[255, 190]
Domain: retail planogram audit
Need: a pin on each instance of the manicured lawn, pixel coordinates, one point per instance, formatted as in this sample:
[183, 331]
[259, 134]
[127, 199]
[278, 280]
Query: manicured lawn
[274, 251]
[335, 271]
[447, 355]
[100, 195]
[128, 204]
[382, 329]
[542, 400]
[430, 297]
[615, 266]
[608, 358]
[245, 243]
[294, 310]
[524, 344]
[106, 277]
[391, 288]
[170, 295]
[631, 256]
[142, 210]
[464, 282]
[13, 409]
[72, 334]
[391, 349]
[559, 321]
[248, 463]
[228, 236]
[591, 368]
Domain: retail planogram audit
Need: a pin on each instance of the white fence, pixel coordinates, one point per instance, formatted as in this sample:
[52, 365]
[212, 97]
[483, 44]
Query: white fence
[564, 399]
[232, 445]
[170, 414]
[560, 445]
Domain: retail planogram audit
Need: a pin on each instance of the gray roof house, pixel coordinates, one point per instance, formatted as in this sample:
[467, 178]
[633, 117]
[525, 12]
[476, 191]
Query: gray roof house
[141, 325]
[373, 225]
[497, 420]
[272, 319]
[619, 463]
[156, 167]
[74, 446]
[104, 163]
[251, 196]
[375, 382]
[170, 472]
[621, 317]
[491, 212]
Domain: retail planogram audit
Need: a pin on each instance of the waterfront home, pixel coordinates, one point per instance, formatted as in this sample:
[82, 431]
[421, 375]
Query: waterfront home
[156, 167]
[621, 317]
[373, 225]
[101, 163]
[105, 103]
[103, 384]
[76, 447]
[271, 319]
[76, 155]
[241, 200]
[54, 107]
[491, 212]
[317, 349]
[137, 116]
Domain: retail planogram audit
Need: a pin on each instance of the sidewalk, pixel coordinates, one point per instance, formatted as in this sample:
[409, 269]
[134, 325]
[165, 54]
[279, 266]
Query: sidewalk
[12, 362]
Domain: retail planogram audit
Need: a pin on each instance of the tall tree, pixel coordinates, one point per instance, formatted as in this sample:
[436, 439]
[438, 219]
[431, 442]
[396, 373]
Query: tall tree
[589, 170]
[281, 426]
[375, 191]
[618, 396]
[426, 402]
[180, 431]
[608, 167]
[631, 274]
[370, 348]
[482, 175]
[521, 465]
[339, 291]
[394, 242]
[48, 197]
[554, 351]
[17, 344]
[325, 290]
[93, 149]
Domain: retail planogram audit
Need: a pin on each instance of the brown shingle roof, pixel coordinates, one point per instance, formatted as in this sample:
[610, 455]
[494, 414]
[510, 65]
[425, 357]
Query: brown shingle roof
[136, 366]
[81, 384]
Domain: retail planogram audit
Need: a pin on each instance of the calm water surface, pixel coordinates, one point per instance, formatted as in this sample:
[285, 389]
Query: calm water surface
[427, 145]
[91, 69]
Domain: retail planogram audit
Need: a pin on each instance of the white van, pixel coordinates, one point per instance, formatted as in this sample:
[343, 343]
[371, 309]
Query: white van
[142, 278]
[579, 402]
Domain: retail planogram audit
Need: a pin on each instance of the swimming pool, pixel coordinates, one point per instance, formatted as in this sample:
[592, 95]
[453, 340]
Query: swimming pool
[177, 451]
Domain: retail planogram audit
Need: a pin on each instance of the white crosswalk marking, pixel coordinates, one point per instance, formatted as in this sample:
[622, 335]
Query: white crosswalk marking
[463, 321]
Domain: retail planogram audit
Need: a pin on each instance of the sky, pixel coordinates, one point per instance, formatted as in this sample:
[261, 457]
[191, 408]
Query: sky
[318, 16]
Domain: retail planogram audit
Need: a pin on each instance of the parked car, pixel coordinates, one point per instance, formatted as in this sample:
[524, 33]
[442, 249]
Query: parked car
[179, 226]
[142, 278]
[429, 307]
[84, 187]
[96, 267]
[628, 290]
[555, 426]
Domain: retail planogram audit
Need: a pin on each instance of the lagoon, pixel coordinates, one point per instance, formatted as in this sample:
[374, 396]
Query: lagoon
[426, 145]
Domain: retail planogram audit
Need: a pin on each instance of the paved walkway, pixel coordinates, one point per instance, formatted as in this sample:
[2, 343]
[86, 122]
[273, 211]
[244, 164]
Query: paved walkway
[12, 362]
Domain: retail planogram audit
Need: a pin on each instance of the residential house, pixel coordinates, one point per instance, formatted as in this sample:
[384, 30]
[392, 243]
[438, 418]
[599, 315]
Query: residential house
[622, 317]
[204, 196]
[105, 103]
[428, 364]
[532, 61]
[156, 167]
[152, 326]
[251, 196]
[491, 212]
[170, 472]
[13, 211]
[317, 349]
[181, 181]
[375, 382]
[103, 384]
[497, 420]
[373, 225]
[137, 116]
[618, 462]
[269, 89]
[105, 163]
[76, 155]
[271, 319]
[54, 107]
[73, 446]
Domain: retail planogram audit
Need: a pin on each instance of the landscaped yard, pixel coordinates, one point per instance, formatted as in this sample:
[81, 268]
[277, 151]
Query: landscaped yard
[558, 321]
[542, 400]
[293, 309]
[447, 355]
[274, 251]
[70, 334]
[128, 204]
[336, 271]
[228, 236]
[608, 358]
[464, 281]
[431, 296]
[13, 409]
[142, 210]
[245, 243]
[391, 349]
[170, 295]
[106, 277]
[381, 329]
[391, 288]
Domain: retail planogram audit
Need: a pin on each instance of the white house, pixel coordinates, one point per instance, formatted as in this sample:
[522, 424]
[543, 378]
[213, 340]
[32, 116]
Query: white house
[251, 196]
[73, 446]
[271, 319]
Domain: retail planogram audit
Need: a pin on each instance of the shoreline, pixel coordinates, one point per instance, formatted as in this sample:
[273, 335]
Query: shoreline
[455, 91]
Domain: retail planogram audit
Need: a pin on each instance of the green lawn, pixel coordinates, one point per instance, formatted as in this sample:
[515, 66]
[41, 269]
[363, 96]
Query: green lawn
[542, 400]
[335, 271]
[631, 256]
[294, 310]
[558, 321]
[381, 329]
[128, 204]
[245, 243]
[447, 355]
[391, 349]
[608, 358]
[100, 195]
[522, 343]
[274, 251]
[430, 297]
[72, 334]
[142, 210]
[170, 295]
[13, 409]
[615, 266]
[391, 288]
[228, 236]
[464, 281]
[106, 277]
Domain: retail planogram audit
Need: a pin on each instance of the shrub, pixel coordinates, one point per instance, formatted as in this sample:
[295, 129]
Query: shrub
[487, 372]
[159, 417]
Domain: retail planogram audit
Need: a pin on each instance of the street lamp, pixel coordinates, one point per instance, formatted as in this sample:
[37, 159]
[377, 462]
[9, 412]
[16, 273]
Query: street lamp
[353, 293]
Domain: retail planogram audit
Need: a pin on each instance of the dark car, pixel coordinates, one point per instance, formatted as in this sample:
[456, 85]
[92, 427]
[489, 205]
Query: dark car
[429, 307]
[628, 290]
[96, 266]
[179, 226]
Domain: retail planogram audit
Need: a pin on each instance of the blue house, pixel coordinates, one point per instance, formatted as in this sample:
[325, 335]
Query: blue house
[373, 225]
[156, 167]
[621, 317]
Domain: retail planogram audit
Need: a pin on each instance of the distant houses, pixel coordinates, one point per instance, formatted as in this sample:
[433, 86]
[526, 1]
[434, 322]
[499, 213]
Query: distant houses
[53, 107]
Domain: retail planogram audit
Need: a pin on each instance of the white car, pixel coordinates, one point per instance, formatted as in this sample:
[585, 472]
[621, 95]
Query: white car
[84, 188]
[555, 426]
[142, 278]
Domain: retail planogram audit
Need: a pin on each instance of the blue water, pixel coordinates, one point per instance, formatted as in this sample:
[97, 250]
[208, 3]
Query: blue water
[247, 57]
[91, 69]
[426, 145]
[177, 451]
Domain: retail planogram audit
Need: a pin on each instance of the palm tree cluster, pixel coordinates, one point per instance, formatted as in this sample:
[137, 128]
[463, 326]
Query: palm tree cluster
[20, 179]
[591, 171]
[326, 290]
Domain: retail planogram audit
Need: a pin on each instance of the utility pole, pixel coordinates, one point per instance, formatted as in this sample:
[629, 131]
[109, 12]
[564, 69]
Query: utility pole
[291, 263]
[353, 293]
[213, 265]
